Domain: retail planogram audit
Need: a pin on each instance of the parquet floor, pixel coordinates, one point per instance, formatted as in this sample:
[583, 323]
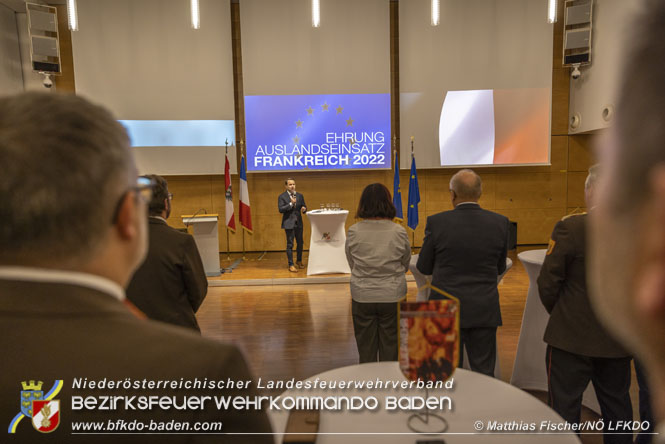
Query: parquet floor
[300, 330]
[296, 331]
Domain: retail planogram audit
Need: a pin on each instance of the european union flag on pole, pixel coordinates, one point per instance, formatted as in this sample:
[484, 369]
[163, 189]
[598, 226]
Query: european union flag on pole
[414, 196]
[397, 192]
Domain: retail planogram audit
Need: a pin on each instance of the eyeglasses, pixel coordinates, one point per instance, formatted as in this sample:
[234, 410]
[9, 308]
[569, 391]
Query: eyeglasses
[170, 196]
[143, 189]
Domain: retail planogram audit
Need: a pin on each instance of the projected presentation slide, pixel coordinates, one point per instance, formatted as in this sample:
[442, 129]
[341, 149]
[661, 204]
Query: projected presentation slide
[180, 132]
[318, 132]
[494, 127]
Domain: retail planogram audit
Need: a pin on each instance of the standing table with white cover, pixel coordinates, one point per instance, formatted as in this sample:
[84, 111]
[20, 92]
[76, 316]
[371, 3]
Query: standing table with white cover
[475, 397]
[207, 240]
[529, 370]
[326, 245]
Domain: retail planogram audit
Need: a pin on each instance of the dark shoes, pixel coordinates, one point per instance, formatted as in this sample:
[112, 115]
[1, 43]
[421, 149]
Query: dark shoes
[300, 265]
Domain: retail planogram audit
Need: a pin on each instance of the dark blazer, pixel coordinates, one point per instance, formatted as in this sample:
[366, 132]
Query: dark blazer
[171, 284]
[291, 214]
[572, 326]
[63, 331]
[465, 251]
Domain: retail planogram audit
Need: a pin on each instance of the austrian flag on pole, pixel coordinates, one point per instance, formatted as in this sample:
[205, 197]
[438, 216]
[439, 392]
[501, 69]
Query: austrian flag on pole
[245, 213]
[230, 216]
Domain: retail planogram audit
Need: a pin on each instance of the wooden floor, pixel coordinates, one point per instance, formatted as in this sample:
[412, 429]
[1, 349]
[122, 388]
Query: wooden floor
[296, 331]
[300, 330]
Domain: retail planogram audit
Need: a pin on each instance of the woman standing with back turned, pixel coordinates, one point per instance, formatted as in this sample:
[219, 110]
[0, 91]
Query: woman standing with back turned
[378, 252]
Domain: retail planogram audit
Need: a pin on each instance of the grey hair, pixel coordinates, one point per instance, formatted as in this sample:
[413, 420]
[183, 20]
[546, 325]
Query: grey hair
[463, 189]
[592, 177]
[65, 164]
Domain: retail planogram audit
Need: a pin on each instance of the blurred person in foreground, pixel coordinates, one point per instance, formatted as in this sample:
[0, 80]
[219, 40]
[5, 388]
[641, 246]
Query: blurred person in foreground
[579, 349]
[171, 284]
[378, 252]
[627, 262]
[73, 231]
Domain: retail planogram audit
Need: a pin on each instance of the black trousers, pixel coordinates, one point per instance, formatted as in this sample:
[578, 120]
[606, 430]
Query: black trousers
[375, 327]
[568, 375]
[646, 413]
[290, 234]
[480, 349]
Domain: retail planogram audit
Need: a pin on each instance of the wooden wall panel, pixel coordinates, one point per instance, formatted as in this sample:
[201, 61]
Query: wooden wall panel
[560, 100]
[559, 156]
[524, 190]
[581, 155]
[191, 194]
[65, 82]
[534, 226]
[576, 189]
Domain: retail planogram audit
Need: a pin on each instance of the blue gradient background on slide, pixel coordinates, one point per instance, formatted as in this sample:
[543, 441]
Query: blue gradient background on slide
[286, 122]
[180, 132]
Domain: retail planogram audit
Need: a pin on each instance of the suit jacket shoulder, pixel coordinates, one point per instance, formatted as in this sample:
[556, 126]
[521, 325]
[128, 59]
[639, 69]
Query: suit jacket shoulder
[465, 251]
[93, 337]
[573, 325]
[171, 283]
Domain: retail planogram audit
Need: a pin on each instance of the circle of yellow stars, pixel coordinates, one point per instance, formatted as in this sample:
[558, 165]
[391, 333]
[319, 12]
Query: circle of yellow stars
[325, 107]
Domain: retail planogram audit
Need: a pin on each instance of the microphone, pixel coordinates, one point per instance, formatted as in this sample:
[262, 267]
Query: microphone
[196, 214]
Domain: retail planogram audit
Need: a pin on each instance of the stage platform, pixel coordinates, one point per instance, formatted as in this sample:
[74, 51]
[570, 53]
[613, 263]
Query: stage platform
[271, 269]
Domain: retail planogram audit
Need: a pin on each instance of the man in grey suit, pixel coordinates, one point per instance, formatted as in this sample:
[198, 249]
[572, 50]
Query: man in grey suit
[171, 284]
[73, 231]
[292, 206]
[465, 251]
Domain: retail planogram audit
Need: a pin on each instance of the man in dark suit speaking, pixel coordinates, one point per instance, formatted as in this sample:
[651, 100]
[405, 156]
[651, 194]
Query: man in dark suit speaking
[171, 284]
[465, 252]
[73, 231]
[292, 206]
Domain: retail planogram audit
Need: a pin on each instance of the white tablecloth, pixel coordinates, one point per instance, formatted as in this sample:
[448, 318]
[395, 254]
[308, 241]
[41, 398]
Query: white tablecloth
[529, 370]
[326, 245]
[475, 397]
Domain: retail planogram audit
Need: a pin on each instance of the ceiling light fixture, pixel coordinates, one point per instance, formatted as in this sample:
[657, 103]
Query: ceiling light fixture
[316, 13]
[72, 16]
[551, 11]
[436, 12]
[196, 15]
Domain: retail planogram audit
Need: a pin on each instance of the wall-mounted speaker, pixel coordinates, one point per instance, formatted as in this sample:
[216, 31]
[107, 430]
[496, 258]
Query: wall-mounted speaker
[578, 16]
[44, 45]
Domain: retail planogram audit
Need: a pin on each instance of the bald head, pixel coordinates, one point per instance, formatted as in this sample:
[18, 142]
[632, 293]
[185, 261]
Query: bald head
[465, 186]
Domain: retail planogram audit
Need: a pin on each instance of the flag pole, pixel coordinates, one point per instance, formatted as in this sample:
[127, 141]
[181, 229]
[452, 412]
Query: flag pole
[413, 232]
[242, 228]
[396, 160]
[228, 247]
